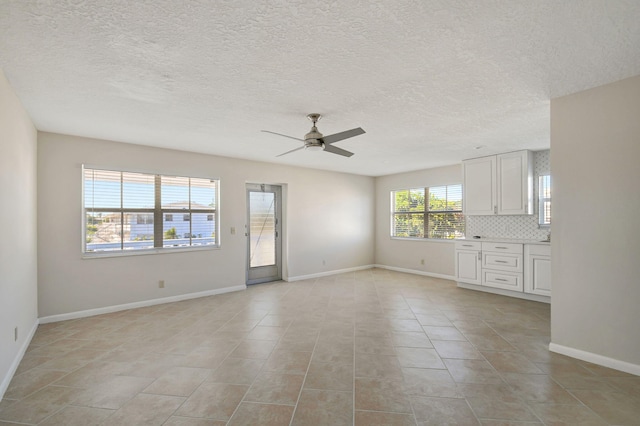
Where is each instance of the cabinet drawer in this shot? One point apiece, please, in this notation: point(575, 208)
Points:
point(539, 249)
point(503, 262)
point(468, 245)
point(502, 280)
point(502, 247)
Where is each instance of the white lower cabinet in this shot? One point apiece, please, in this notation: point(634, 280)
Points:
point(538, 269)
point(468, 263)
point(524, 270)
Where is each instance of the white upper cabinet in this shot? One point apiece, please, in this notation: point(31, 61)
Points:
point(515, 182)
point(480, 195)
point(499, 184)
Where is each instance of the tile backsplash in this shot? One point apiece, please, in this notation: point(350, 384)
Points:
point(521, 227)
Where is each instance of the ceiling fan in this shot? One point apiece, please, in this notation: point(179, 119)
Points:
point(315, 141)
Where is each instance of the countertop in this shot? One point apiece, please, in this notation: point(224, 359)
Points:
point(506, 240)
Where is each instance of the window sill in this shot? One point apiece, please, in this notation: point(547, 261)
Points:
point(166, 250)
point(428, 240)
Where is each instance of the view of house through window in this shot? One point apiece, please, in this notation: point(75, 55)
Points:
point(434, 212)
point(544, 200)
point(127, 211)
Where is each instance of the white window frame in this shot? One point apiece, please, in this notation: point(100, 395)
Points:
point(158, 212)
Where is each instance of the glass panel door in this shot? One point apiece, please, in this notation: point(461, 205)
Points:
point(263, 233)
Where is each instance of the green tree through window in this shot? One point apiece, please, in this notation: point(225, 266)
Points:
point(441, 218)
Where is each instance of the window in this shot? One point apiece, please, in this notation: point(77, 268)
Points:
point(434, 212)
point(124, 211)
point(144, 219)
point(186, 217)
point(544, 200)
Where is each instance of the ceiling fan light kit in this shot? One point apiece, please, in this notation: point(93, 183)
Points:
point(315, 141)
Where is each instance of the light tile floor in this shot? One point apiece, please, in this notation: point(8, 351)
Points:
point(373, 347)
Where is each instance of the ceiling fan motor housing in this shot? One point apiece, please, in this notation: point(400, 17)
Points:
point(313, 139)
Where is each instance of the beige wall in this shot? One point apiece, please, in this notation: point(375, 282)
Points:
point(595, 140)
point(18, 251)
point(407, 254)
point(329, 216)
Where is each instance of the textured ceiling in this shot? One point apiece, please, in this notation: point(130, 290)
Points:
point(428, 80)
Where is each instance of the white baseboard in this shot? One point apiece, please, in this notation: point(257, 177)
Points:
point(416, 272)
point(142, 304)
point(510, 293)
point(4, 385)
point(604, 361)
point(327, 273)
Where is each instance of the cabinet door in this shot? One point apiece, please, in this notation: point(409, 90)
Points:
point(468, 266)
point(515, 183)
point(479, 186)
point(538, 275)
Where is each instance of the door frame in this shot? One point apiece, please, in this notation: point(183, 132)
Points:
point(280, 209)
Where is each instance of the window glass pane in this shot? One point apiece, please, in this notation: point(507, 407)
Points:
point(101, 189)
point(454, 197)
point(546, 213)
point(262, 229)
point(137, 235)
point(103, 231)
point(445, 198)
point(446, 225)
point(416, 200)
point(408, 225)
point(544, 200)
point(202, 230)
point(401, 201)
point(172, 233)
point(203, 193)
point(438, 198)
point(175, 192)
point(138, 190)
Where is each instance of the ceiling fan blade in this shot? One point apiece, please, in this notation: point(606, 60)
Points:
point(280, 134)
point(328, 140)
point(335, 150)
point(293, 150)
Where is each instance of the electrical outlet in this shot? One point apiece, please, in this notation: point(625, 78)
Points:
point(15, 334)
point(422, 261)
point(161, 284)
point(233, 230)
point(324, 263)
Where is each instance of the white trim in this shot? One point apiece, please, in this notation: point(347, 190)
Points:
point(142, 304)
point(4, 385)
point(602, 360)
point(426, 240)
point(328, 273)
point(416, 272)
point(518, 294)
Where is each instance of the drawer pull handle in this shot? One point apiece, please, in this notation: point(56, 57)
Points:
point(501, 261)
point(501, 279)
point(467, 245)
point(502, 248)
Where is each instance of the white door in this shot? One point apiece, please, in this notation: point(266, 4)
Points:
point(264, 251)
